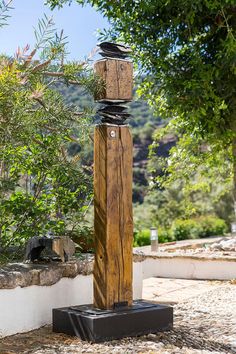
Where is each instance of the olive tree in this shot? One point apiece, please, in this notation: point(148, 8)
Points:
point(42, 189)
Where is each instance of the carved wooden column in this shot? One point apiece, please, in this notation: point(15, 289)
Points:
point(113, 217)
point(121, 316)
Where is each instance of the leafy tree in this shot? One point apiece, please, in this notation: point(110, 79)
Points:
point(42, 189)
point(201, 171)
point(5, 6)
point(187, 52)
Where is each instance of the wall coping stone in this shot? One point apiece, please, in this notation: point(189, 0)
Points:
point(146, 253)
point(13, 275)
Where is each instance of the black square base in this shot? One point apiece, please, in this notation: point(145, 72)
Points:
point(97, 325)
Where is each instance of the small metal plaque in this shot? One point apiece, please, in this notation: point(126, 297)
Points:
point(112, 134)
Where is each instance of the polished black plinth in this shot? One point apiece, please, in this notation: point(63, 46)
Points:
point(95, 325)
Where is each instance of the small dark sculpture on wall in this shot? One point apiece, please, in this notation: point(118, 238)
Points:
point(63, 247)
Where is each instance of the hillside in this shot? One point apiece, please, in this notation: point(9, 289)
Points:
point(143, 124)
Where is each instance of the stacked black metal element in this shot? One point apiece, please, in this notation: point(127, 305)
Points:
point(114, 50)
point(114, 112)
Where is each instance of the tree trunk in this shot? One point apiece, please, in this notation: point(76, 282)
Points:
point(234, 173)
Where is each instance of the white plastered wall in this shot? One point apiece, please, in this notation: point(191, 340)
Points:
point(24, 309)
point(189, 268)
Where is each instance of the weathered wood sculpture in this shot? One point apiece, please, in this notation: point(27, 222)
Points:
point(113, 313)
point(113, 218)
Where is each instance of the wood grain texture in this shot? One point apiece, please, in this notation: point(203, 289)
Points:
point(118, 78)
point(113, 219)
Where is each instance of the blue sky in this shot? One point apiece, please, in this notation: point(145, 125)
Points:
point(79, 24)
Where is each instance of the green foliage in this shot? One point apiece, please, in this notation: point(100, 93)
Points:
point(43, 190)
point(198, 172)
point(165, 235)
point(142, 238)
point(161, 208)
point(187, 54)
point(182, 229)
point(185, 229)
point(84, 238)
point(5, 7)
point(211, 226)
point(200, 227)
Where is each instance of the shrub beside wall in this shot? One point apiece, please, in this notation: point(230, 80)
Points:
point(183, 229)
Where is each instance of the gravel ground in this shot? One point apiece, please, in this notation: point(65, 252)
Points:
point(203, 324)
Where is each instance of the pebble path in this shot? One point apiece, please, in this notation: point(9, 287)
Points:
point(203, 324)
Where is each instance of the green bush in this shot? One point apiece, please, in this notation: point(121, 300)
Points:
point(142, 238)
point(164, 235)
point(43, 191)
point(84, 239)
point(185, 229)
point(203, 226)
point(212, 226)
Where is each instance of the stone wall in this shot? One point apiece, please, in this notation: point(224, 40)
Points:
point(29, 292)
point(46, 274)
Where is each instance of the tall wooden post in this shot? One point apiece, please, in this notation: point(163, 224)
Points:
point(113, 218)
point(113, 222)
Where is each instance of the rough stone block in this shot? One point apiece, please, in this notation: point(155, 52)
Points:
point(63, 247)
